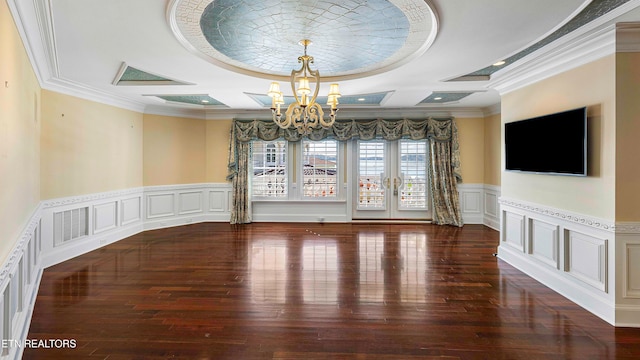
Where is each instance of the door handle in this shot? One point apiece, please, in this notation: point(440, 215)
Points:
point(397, 182)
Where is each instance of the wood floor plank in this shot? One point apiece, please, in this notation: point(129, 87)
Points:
point(312, 291)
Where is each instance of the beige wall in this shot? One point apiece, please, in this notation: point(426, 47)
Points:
point(217, 150)
point(174, 150)
point(182, 151)
point(627, 136)
point(591, 85)
point(492, 148)
point(19, 135)
point(471, 139)
point(88, 147)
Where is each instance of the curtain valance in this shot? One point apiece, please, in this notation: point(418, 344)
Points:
point(443, 164)
point(439, 129)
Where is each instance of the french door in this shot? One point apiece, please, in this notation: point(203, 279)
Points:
point(390, 180)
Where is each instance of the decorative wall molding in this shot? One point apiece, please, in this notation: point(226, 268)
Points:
point(492, 207)
point(593, 262)
point(46, 204)
point(563, 215)
point(28, 232)
point(20, 277)
point(631, 274)
point(479, 204)
point(544, 244)
point(586, 259)
point(632, 228)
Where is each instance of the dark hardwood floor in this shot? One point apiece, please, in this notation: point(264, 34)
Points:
point(312, 291)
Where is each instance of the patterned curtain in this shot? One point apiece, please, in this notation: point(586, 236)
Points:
point(444, 167)
point(443, 180)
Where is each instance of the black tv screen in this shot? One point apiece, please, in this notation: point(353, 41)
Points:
point(550, 144)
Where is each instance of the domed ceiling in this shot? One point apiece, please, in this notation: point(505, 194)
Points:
point(349, 38)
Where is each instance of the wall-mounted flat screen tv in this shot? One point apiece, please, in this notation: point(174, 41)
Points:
point(550, 144)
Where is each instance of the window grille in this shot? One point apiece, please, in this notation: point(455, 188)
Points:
point(269, 177)
point(320, 169)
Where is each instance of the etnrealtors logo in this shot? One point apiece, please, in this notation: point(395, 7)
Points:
point(39, 343)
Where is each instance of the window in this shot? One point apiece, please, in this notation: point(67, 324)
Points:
point(320, 169)
point(269, 160)
point(313, 176)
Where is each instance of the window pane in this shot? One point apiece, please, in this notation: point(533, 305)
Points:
point(320, 171)
point(269, 169)
point(413, 166)
point(370, 167)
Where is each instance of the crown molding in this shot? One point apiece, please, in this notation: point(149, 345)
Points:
point(628, 37)
point(494, 109)
point(591, 42)
point(560, 56)
point(35, 16)
point(166, 110)
point(78, 90)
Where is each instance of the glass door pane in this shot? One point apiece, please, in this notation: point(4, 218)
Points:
point(371, 172)
point(413, 175)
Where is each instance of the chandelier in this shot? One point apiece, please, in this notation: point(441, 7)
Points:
point(305, 113)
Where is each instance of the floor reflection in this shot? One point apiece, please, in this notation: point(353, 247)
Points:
point(388, 267)
point(268, 270)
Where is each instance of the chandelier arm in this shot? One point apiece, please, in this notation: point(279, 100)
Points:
point(316, 112)
point(283, 121)
point(316, 75)
point(294, 74)
point(293, 114)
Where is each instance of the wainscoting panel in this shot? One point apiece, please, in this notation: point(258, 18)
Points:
point(110, 216)
point(190, 202)
point(514, 230)
point(160, 205)
point(479, 204)
point(632, 270)
point(218, 200)
point(174, 205)
point(471, 201)
point(19, 282)
point(492, 207)
point(571, 253)
point(628, 251)
point(105, 217)
point(586, 258)
point(130, 210)
point(544, 242)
